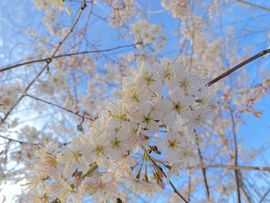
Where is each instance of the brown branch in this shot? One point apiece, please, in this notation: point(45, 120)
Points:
point(170, 182)
point(15, 140)
point(174, 189)
point(24, 63)
point(83, 6)
point(189, 185)
point(67, 55)
point(254, 5)
point(228, 72)
point(60, 107)
point(254, 168)
point(237, 175)
point(164, 174)
point(203, 170)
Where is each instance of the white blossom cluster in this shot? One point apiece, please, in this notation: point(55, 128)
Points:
point(54, 4)
point(178, 8)
point(51, 9)
point(53, 84)
point(122, 11)
point(148, 35)
point(153, 121)
point(9, 94)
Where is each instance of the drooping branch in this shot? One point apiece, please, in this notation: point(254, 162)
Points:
point(240, 65)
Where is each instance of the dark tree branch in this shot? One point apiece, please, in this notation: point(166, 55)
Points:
point(203, 170)
point(174, 189)
point(164, 174)
point(237, 175)
point(228, 72)
point(15, 140)
point(253, 5)
point(228, 167)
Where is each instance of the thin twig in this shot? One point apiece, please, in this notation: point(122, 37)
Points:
point(60, 107)
point(255, 168)
point(15, 140)
point(189, 185)
point(168, 179)
point(228, 72)
point(254, 5)
point(237, 175)
point(203, 170)
point(172, 185)
point(175, 190)
point(244, 188)
point(264, 196)
point(67, 55)
point(83, 6)
point(24, 63)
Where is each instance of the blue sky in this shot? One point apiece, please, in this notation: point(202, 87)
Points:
point(250, 31)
